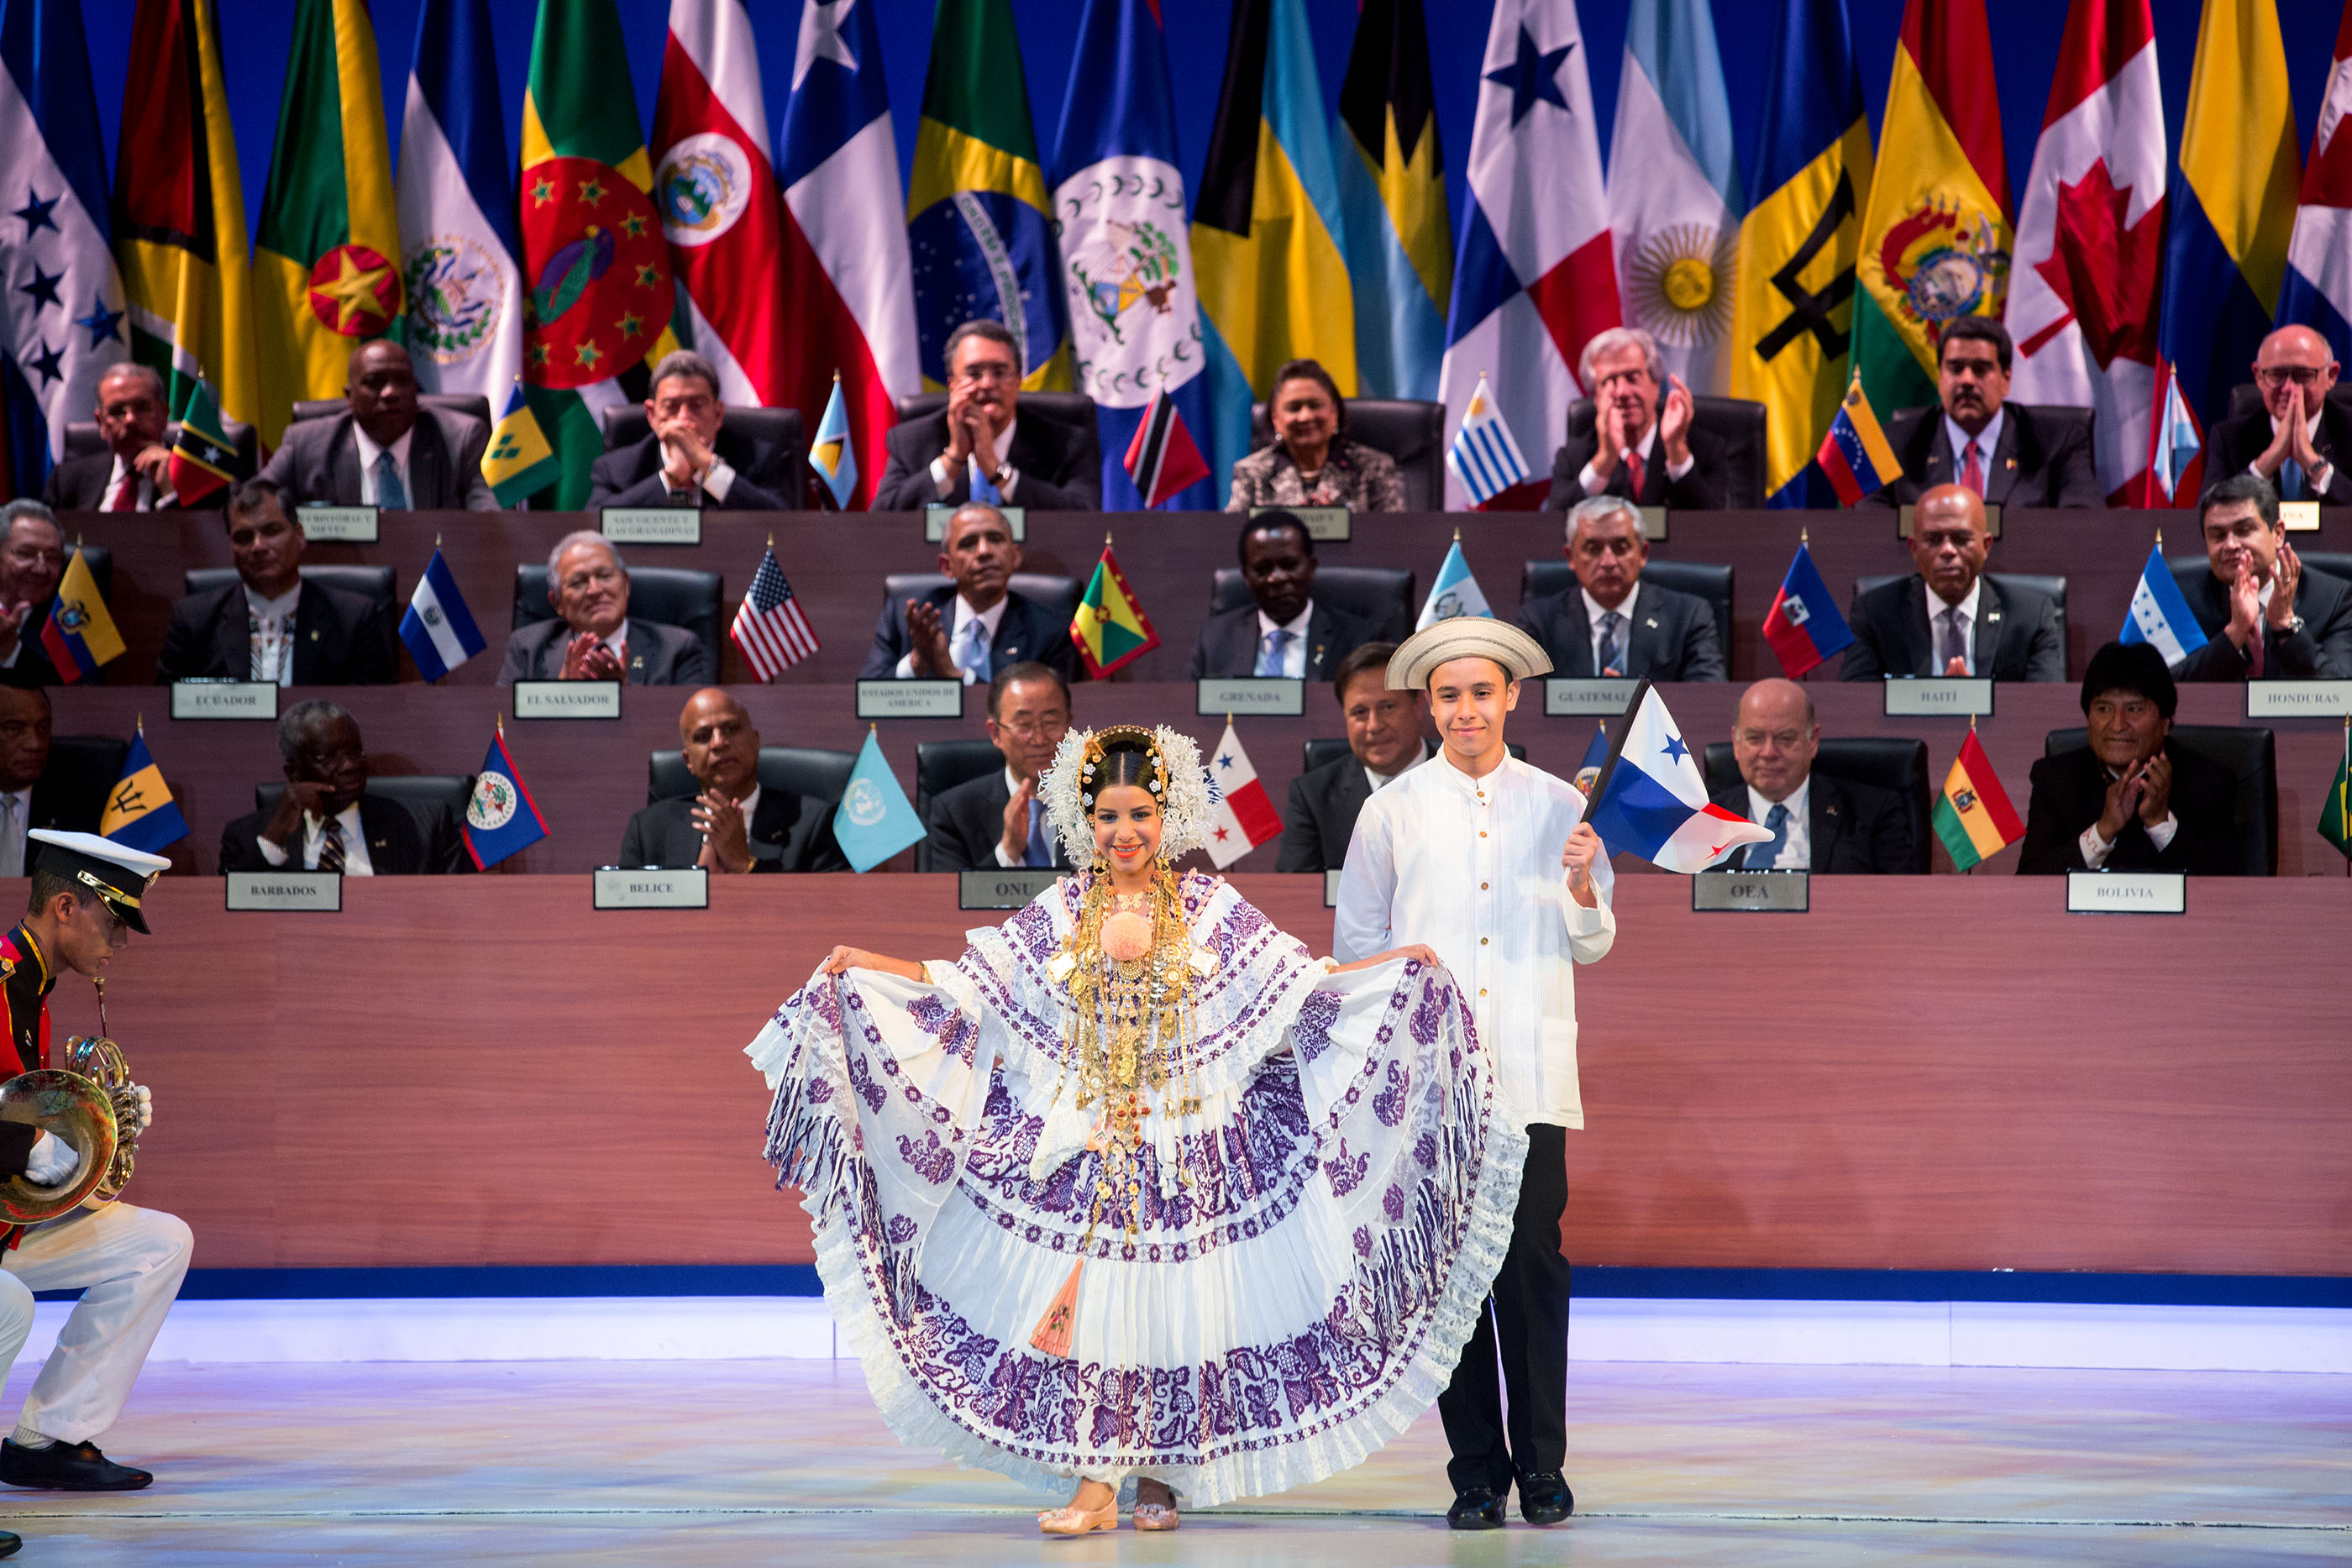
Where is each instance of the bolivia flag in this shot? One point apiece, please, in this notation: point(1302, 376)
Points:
point(1243, 816)
point(1973, 816)
point(140, 812)
point(1110, 628)
point(81, 634)
point(501, 819)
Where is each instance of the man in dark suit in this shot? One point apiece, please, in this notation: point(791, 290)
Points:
point(269, 624)
point(733, 824)
point(593, 636)
point(325, 821)
point(32, 793)
point(2298, 435)
point(1384, 740)
point(1285, 630)
point(2010, 454)
point(975, 625)
point(32, 563)
point(1649, 455)
point(2130, 800)
point(134, 473)
point(1611, 623)
point(1032, 459)
point(1818, 823)
point(1948, 618)
point(2264, 618)
point(690, 459)
point(997, 820)
point(388, 450)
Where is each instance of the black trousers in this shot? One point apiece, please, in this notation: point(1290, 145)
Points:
point(1525, 1329)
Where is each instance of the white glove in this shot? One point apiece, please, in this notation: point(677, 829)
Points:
point(146, 1109)
point(52, 1162)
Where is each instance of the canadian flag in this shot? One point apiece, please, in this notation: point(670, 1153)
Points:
point(1241, 817)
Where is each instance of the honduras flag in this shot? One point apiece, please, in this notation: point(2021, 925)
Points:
point(1455, 592)
point(1652, 801)
point(874, 821)
point(439, 628)
point(2160, 616)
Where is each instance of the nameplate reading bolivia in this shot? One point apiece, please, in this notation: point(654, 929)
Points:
point(223, 699)
point(619, 887)
point(910, 699)
point(1331, 888)
point(1325, 525)
point(1269, 697)
point(338, 525)
point(320, 891)
point(1752, 892)
point(1959, 695)
point(935, 523)
point(651, 525)
point(2126, 893)
point(567, 700)
point(1002, 887)
point(2298, 699)
point(1578, 696)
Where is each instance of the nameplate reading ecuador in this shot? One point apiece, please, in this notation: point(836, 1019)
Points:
point(1331, 888)
point(2126, 893)
point(1961, 695)
point(2299, 517)
point(223, 699)
point(935, 522)
point(1571, 695)
point(338, 525)
point(320, 891)
point(1325, 525)
point(651, 525)
point(2298, 699)
point(1268, 696)
point(618, 887)
point(910, 699)
point(1002, 887)
point(1752, 892)
point(567, 700)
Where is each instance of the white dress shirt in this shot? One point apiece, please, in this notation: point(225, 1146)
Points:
point(370, 451)
point(1589, 478)
point(1471, 867)
point(148, 499)
point(1594, 609)
point(314, 839)
point(12, 854)
point(1937, 610)
point(270, 623)
point(990, 619)
point(945, 479)
point(1294, 653)
point(1797, 850)
point(1958, 439)
point(1379, 782)
point(2095, 850)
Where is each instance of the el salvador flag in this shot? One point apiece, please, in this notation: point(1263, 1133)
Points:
point(439, 628)
point(2160, 616)
point(1653, 800)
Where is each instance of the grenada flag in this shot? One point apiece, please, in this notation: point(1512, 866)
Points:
point(1110, 628)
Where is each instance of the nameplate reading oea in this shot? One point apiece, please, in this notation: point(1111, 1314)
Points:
point(2298, 699)
point(280, 892)
point(567, 700)
point(1960, 696)
point(1752, 893)
point(685, 888)
point(1567, 696)
point(935, 523)
point(910, 699)
point(1005, 887)
point(338, 525)
point(1267, 697)
point(223, 699)
point(2126, 893)
point(651, 525)
point(1325, 525)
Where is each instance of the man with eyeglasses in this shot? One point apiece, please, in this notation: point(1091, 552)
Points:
point(997, 820)
point(1818, 823)
point(983, 448)
point(593, 637)
point(2010, 453)
point(691, 458)
point(2294, 438)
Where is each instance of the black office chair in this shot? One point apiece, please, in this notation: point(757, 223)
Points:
point(1740, 423)
point(2334, 563)
point(2055, 587)
point(368, 582)
point(85, 767)
point(1057, 595)
point(939, 767)
point(787, 769)
point(1408, 430)
point(1319, 753)
point(1380, 595)
point(82, 439)
point(1069, 408)
point(673, 595)
point(1876, 761)
point(2251, 754)
point(778, 429)
point(473, 405)
point(1697, 578)
point(2246, 397)
point(417, 793)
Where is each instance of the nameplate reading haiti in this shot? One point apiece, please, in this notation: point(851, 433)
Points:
point(1959, 695)
point(617, 887)
point(2298, 699)
point(567, 700)
point(1331, 888)
point(1269, 697)
point(2126, 893)
point(1571, 695)
point(1004, 887)
point(1325, 525)
point(1752, 892)
point(651, 525)
point(318, 891)
point(223, 699)
point(338, 525)
point(2299, 517)
point(935, 522)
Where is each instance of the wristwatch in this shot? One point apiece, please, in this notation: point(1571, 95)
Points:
point(1003, 474)
point(2294, 625)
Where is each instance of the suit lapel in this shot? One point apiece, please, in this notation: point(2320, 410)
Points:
point(1993, 624)
point(1645, 638)
point(1579, 635)
point(772, 822)
point(233, 635)
point(1919, 633)
point(1935, 463)
point(1826, 815)
point(343, 461)
point(429, 459)
point(1012, 641)
point(640, 645)
point(1318, 642)
point(2001, 474)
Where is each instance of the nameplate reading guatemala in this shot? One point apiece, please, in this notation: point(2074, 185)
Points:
point(1580, 697)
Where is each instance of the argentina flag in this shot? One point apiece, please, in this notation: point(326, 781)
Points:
point(439, 628)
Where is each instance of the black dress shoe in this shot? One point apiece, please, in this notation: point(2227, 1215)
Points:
point(66, 1467)
point(10, 1543)
point(1478, 1508)
point(1544, 1498)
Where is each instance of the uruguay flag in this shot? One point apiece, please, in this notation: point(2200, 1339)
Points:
point(2160, 616)
point(2318, 291)
point(1653, 800)
point(1126, 255)
point(439, 628)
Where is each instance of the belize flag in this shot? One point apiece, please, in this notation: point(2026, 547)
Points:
point(2318, 291)
point(1803, 626)
point(501, 819)
point(2160, 615)
point(1652, 801)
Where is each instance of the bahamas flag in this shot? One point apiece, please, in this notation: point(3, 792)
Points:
point(1110, 628)
point(80, 635)
point(979, 223)
point(326, 263)
point(1793, 304)
point(1392, 203)
point(140, 812)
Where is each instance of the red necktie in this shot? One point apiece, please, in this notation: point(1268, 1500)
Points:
point(1633, 471)
point(126, 495)
point(2254, 652)
point(1973, 474)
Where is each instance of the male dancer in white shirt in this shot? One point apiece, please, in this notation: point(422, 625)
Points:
point(1489, 862)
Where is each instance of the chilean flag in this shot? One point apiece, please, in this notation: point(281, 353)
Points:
point(1652, 799)
point(2318, 291)
point(1803, 624)
point(1241, 814)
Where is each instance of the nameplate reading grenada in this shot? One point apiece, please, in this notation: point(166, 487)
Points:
point(304, 891)
point(935, 522)
point(1961, 695)
point(1569, 696)
point(1269, 697)
point(567, 700)
point(1005, 888)
point(2126, 893)
point(1325, 525)
point(651, 525)
point(1752, 892)
point(2298, 699)
point(223, 699)
point(338, 525)
point(910, 699)
point(618, 887)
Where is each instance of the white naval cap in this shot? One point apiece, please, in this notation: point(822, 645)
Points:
point(118, 873)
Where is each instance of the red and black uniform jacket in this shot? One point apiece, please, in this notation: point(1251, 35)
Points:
point(25, 986)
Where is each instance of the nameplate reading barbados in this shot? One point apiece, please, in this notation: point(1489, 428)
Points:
point(1961, 695)
point(651, 525)
point(910, 699)
point(338, 525)
point(2126, 893)
point(619, 887)
point(567, 700)
point(223, 699)
point(2298, 699)
point(1008, 887)
point(1752, 892)
point(1268, 696)
point(1578, 695)
point(278, 891)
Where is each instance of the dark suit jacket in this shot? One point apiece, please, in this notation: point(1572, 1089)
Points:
point(1060, 465)
point(1703, 490)
point(1672, 636)
point(1854, 829)
point(2070, 791)
point(1228, 644)
point(340, 639)
point(2234, 443)
point(32, 667)
point(631, 476)
point(2321, 651)
point(788, 833)
point(1324, 804)
point(397, 845)
point(967, 821)
point(2034, 464)
point(79, 485)
point(1026, 631)
point(2016, 636)
point(659, 656)
point(320, 463)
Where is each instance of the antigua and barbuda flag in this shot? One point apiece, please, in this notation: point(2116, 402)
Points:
point(875, 820)
point(1241, 814)
point(1803, 626)
point(501, 819)
point(139, 811)
point(1162, 461)
point(80, 635)
point(1391, 170)
point(1454, 592)
point(1651, 800)
point(2319, 289)
point(832, 453)
point(439, 628)
point(2159, 615)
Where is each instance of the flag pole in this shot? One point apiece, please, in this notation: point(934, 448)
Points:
point(1972, 729)
point(2344, 794)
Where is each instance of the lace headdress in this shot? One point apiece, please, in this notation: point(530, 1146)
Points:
point(1177, 781)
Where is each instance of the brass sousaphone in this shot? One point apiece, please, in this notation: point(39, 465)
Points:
point(86, 1103)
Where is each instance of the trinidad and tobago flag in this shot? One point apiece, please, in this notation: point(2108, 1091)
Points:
point(1162, 459)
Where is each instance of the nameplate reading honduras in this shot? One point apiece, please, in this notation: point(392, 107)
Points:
point(651, 525)
point(910, 699)
point(1573, 695)
point(2126, 893)
point(1331, 888)
point(619, 887)
point(338, 525)
point(1004, 887)
point(1325, 525)
point(567, 700)
point(935, 522)
point(1961, 695)
point(1902, 520)
point(223, 699)
point(1752, 892)
point(2299, 517)
point(1269, 697)
point(306, 890)
point(2298, 699)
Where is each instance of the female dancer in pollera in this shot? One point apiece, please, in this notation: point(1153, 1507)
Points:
point(1136, 1190)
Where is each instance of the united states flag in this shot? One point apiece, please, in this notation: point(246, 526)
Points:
point(769, 627)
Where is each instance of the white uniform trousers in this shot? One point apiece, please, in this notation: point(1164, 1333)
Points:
point(128, 1263)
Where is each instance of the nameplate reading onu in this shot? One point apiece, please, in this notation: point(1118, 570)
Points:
point(567, 700)
point(223, 699)
point(1569, 696)
point(338, 525)
point(651, 525)
point(2298, 699)
point(935, 522)
point(2126, 893)
point(1269, 697)
point(1005, 887)
point(620, 887)
point(1325, 525)
point(1752, 892)
point(282, 891)
point(910, 699)
point(1958, 695)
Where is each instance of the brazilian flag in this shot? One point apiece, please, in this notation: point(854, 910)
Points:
point(2336, 815)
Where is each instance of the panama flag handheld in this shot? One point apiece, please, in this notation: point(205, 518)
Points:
point(1651, 800)
point(1241, 816)
point(501, 819)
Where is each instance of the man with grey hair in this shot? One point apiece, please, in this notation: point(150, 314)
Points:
point(386, 448)
point(272, 624)
point(32, 561)
point(1611, 623)
point(134, 473)
point(593, 637)
point(1031, 460)
point(1631, 447)
point(691, 458)
point(326, 819)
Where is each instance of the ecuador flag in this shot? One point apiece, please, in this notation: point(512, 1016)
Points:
point(140, 812)
point(1973, 816)
point(81, 634)
point(1110, 628)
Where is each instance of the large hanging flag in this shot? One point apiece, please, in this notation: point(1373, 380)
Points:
point(326, 260)
point(501, 818)
point(1399, 242)
point(597, 279)
point(1241, 814)
point(1126, 259)
point(1675, 196)
point(139, 811)
point(874, 821)
point(1855, 456)
point(79, 634)
point(1110, 628)
point(439, 628)
point(2160, 615)
point(460, 274)
point(2090, 236)
point(1651, 800)
point(769, 629)
point(1453, 592)
point(2319, 289)
point(2227, 226)
point(1792, 315)
point(1534, 277)
point(179, 213)
point(1973, 816)
point(1803, 626)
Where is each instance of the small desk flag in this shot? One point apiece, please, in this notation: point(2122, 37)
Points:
point(1652, 799)
point(520, 462)
point(439, 628)
point(1973, 815)
point(202, 458)
point(1596, 757)
point(1803, 626)
point(1110, 628)
point(2335, 808)
point(1483, 456)
point(2158, 614)
point(80, 635)
point(1856, 455)
point(139, 811)
point(1455, 592)
point(501, 819)
point(832, 455)
point(1241, 814)
point(1163, 460)
point(874, 821)
point(770, 628)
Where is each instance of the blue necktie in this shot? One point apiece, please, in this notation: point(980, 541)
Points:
point(390, 493)
point(1269, 663)
point(975, 661)
point(1612, 648)
point(2290, 480)
point(1762, 856)
point(1037, 854)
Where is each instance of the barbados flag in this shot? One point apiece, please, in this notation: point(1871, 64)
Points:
point(139, 811)
point(1110, 628)
point(80, 635)
point(1392, 201)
